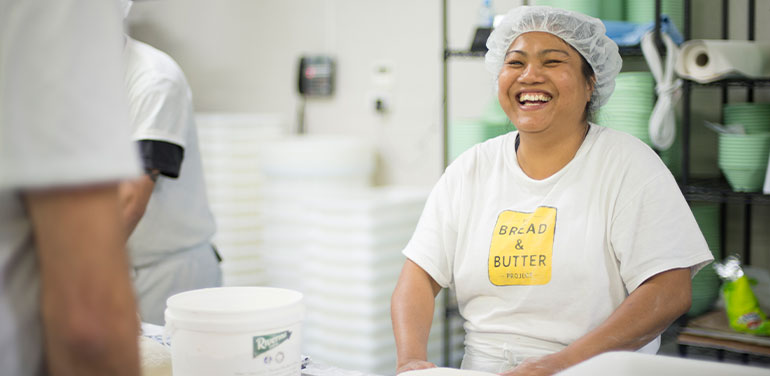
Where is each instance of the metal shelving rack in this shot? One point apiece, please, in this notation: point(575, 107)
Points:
point(448, 313)
point(709, 190)
point(717, 190)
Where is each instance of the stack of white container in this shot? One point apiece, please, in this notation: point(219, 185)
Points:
point(331, 235)
point(230, 151)
point(352, 266)
point(298, 171)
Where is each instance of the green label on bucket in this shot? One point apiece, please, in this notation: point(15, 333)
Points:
point(268, 342)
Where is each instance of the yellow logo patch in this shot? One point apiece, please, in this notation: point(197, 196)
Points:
point(522, 247)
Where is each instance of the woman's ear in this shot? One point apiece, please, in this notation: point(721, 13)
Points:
point(591, 87)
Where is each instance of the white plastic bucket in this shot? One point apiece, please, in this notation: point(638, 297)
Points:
point(235, 331)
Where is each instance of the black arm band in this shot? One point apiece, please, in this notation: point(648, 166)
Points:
point(162, 156)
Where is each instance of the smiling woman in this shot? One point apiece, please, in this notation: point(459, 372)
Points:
point(603, 236)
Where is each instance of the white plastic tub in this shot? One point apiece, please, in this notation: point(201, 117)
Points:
point(235, 331)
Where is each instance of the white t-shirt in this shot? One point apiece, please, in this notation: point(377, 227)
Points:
point(63, 122)
point(177, 216)
point(536, 264)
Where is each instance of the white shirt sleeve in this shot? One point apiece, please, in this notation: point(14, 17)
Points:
point(162, 112)
point(655, 231)
point(63, 111)
point(433, 244)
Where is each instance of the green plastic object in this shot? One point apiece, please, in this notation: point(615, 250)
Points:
point(743, 308)
point(743, 160)
point(743, 311)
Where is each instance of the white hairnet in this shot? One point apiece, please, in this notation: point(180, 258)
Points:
point(584, 33)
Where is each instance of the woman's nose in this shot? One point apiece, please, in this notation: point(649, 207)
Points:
point(530, 74)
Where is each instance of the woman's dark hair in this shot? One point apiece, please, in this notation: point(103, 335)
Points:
point(588, 75)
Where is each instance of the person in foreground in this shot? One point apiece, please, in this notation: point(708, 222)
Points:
point(561, 240)
point(66, 303)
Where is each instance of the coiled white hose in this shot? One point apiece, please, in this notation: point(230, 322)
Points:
point(662, 125)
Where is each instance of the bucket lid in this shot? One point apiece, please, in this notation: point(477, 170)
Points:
point(234, 308)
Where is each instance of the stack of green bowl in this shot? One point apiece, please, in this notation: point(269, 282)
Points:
point(705, 284)
point(630, 105)
point(643, 11)
point(743, 160)
point(589, 7)
point(754, 117)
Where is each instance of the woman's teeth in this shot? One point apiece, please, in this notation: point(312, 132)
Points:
point(533, 98)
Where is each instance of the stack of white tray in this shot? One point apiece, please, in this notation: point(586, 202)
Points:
point(352, 264)
point(298, 171)
point(230, 151)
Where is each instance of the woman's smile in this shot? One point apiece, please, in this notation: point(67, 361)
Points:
point(530, 100)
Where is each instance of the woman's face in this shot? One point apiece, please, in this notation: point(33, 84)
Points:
point(541, 85)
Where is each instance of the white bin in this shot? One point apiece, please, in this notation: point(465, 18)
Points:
point(235, 331)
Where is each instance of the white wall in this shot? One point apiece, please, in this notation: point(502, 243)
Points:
point(241, 55)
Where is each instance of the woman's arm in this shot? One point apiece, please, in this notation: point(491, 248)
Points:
point(646, 313)
point(411, 309)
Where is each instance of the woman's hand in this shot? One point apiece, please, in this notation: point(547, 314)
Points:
point(542, 366)
point(414, 364)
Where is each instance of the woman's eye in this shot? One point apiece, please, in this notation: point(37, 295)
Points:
point(552, 62)
point(515, 63)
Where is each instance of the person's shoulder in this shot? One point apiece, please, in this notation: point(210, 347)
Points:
point(625, 160)
point(147, 63)
point(611, 137)
point(621, 147)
